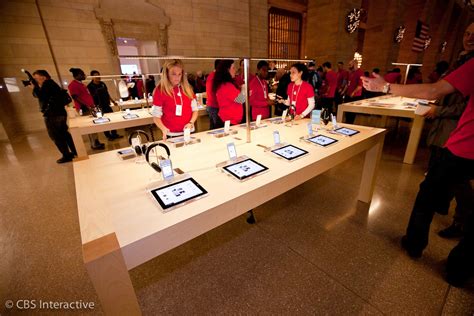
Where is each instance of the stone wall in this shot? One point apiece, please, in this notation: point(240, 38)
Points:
point(82, 34)
point(80, 38)
point(327, 39)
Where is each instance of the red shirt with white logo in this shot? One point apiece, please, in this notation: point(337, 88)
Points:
point(300, 95)
point(168, 104)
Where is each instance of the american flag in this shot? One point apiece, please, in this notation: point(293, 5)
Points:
point(421, 36)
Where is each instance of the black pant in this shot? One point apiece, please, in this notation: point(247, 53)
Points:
point(460, 265)
point(445, 174)
point(350, 117)
point(279, 108)
point(244, 114)
point(113, 133)
point(59, 134)
point(338, 98)
point(461, 191)
point(328, 103)
point(214, 119)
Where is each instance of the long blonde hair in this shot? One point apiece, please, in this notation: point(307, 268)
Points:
point(165, 84)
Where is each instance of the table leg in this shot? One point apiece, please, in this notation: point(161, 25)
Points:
point(109, 275)
point(414, 139)
point(78, 143)
point(340, 115)
point(369, 173)
point(383, 121)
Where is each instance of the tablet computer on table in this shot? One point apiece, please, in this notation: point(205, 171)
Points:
point(322, 140)
point(346, 131)
point(245, 169)
point(177, 193)
point(289, 152)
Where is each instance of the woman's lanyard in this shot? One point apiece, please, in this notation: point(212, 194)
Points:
point(293, 92)
point(179, 107)
point(263, 88)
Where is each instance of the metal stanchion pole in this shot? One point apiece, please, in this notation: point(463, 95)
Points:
point(145, 91)
point(247, 107)
point(406, 74)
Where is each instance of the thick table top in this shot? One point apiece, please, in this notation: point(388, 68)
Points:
point(116, 120)
point(115, 117)
point(385, 105)
point(111, 193)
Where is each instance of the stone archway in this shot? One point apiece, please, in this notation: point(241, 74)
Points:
point(144, 21)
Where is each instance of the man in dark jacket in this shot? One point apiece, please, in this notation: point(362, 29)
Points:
point(52, 105)
point(102, 99)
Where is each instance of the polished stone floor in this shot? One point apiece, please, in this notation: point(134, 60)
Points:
point(314, 250)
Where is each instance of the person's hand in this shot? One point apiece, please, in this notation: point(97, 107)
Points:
point(431, 114)
point(165, 132)
point(298, 117)
point(281, 100)
point(189, 125)
point(373, 84)
point(243, 88)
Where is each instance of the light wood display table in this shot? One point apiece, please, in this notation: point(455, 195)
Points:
point(133, 104)
point(83, 125)
point(122, 227)
point(389, 106)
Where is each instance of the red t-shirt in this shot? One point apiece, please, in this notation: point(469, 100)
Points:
point(354, 82)
point(228, 108)
point(393, 77)
point(300, 94)
point(239, 79)
point(211, 96)
point(331, 80)
point(461, 140)
point(258, 98)
point(140, 88)
point(341, 76)
point(168, 105)
point(78, 89)
point(434, 76)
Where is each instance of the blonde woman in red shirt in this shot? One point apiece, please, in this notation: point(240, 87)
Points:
point(174, 103)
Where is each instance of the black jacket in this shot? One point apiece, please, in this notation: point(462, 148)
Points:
point(49, 96)
point(101, 96)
